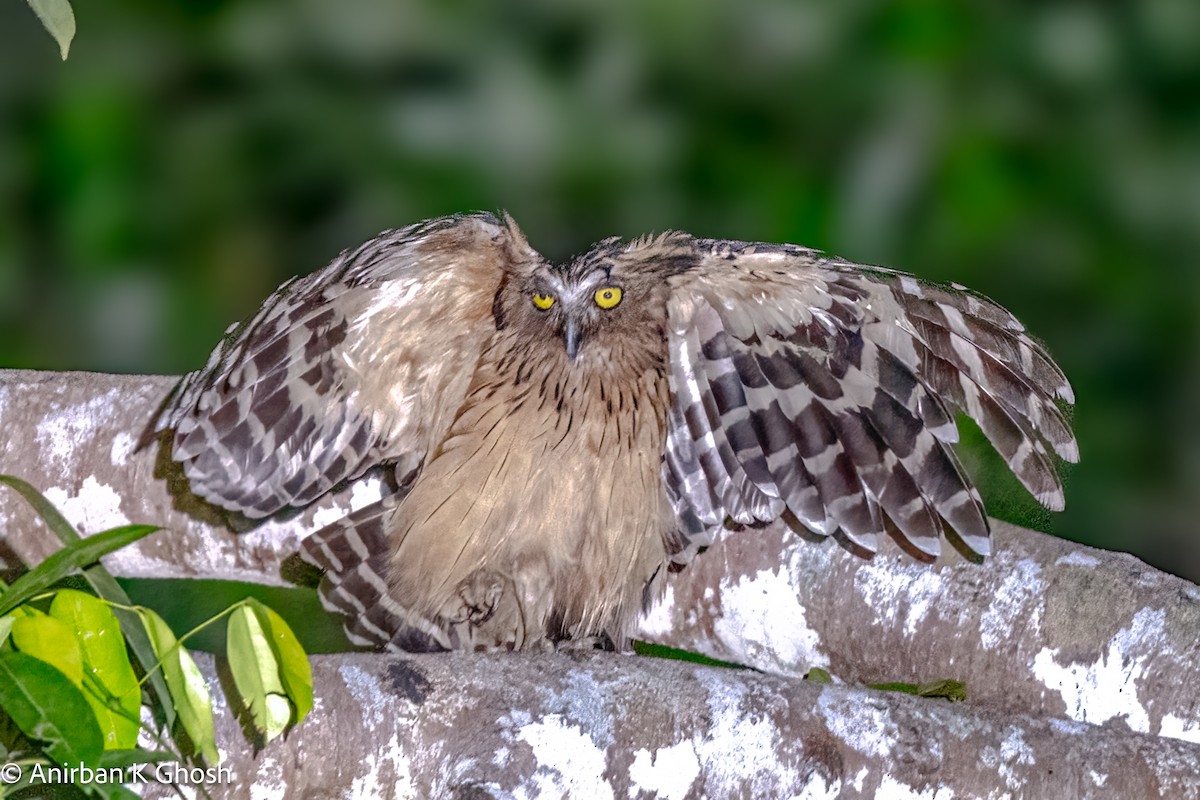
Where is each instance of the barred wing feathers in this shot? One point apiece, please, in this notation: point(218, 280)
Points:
point(360, 363)
point(826, 391)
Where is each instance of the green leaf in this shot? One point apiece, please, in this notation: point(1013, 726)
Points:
point(63, 562)
point(947, 689)
point(6, 623)
point(818, 675)
point(58, 18)
point(47, 707)
point(675, 654)
point(112, 689)
point(136, 637)
point(52, 641)
point(902, 688)
point(106, 587)
point(193, 704)
point(294, 670)
point(256, 673)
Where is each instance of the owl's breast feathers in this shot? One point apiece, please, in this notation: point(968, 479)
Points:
point(549, 479)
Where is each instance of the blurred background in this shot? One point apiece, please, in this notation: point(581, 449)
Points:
point(190, 156)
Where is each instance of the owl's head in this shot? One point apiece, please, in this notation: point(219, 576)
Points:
point(606, 306)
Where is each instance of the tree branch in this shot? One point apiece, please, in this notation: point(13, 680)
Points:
point(605, 725)
point(1047, 634)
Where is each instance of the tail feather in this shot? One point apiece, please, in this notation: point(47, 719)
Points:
point(353, 553)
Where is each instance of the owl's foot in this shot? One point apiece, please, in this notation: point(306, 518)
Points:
point(477, 599)
point(486, 614)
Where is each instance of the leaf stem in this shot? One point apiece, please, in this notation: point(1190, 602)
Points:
point(180, 640)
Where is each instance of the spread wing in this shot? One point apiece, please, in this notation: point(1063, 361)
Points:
point(360, 363)
point(825, 390)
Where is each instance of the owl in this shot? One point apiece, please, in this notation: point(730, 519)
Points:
point(562, 436)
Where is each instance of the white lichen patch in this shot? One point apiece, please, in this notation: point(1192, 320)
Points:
point(739, 755)
point(818, 788)
point(909, 591)
point(893, 789)
point(122, 446)
point(587, 700)
point(269, 780)
point(923, 590)
point(1179, 728)
point(1107, 688)
point(389, 764)
point(97, 506)
point(1097, 778)
point(367, 690)
point(1013, 752)
point(659, 619)
point(762, 618)
point(569, 763)
point(1022, 590)
point(859, 721)
point(398, 780)
point(1078, 558)
point(59, 434)
point(1068, 727)
point(667, 773)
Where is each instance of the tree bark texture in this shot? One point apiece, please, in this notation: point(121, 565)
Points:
point(1081, 665)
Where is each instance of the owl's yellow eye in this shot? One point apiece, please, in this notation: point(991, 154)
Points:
point(543, 301)
point(608, 297)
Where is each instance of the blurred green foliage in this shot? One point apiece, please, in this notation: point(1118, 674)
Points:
point(190, 155)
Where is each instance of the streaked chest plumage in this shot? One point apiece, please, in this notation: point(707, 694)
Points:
point(549, 476)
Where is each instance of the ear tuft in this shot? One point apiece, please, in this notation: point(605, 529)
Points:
point(518, 245)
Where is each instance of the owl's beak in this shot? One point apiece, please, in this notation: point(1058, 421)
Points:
point(571, 337)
